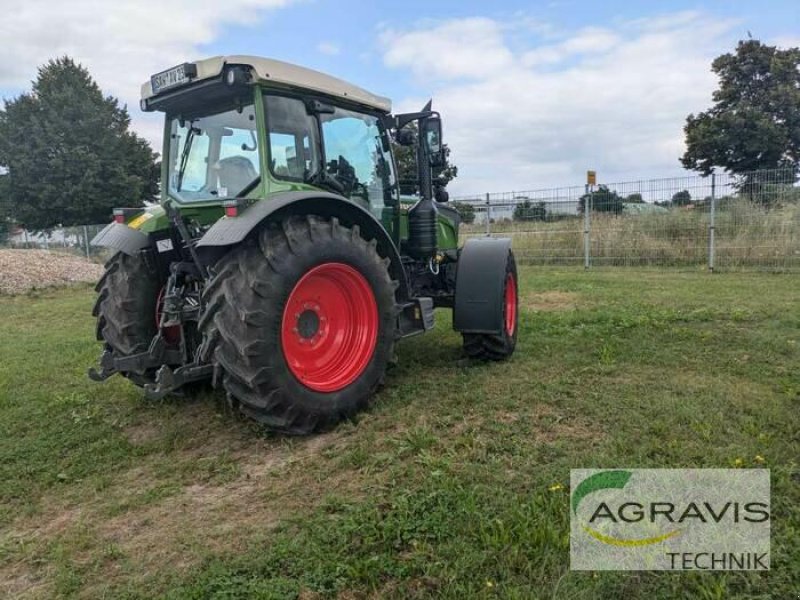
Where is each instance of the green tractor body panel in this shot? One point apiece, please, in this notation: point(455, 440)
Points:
point(447, 223)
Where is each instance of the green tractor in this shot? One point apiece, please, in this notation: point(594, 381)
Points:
point(281, 263)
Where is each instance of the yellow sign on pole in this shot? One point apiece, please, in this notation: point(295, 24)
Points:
point(591, 177)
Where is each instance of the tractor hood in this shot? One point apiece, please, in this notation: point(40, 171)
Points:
point(264, 70)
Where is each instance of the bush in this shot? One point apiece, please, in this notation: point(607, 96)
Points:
point(602, 200)
point(467, 211)
point(526, 211)
point(682, 198)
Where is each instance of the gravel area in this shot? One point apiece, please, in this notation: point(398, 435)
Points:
point(22, 270)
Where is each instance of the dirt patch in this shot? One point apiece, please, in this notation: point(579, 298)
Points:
point(142, 433)
point(567, 427)
point(23, 270)
point(273, 478)
point(551, 301)
point(16, 581)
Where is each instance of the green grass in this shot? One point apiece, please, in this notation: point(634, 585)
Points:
point(747, 236)
point(442, 490)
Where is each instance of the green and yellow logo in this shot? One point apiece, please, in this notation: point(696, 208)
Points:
point(603, 481)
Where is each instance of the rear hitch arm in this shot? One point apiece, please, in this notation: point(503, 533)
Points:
point(107, 367)
point(167, 380)
point(156, 355)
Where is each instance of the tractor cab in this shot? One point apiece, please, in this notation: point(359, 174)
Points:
point(245, 127)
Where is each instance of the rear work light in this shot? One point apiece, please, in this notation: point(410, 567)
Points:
point(235, 206)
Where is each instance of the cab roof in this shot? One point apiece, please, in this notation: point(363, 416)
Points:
point(275, 71)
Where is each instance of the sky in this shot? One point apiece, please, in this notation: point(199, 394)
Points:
point(532, 94)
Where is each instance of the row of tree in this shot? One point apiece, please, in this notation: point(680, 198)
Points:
point(602, 200)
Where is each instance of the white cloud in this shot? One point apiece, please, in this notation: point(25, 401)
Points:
point(787, 41)
point(586, 41)
point(120, 42)
point(462, 48)
point(611, 99)
point(328, 48)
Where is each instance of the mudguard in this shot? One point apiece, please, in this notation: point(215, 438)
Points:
point(121, 237)
point(232, 230)
point(480, 280)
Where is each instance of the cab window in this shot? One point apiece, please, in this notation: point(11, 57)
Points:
point(292, 139)
point(357, 156)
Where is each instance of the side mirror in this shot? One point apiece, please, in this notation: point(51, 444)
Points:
point(433, 135)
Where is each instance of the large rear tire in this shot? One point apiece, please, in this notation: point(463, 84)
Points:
point(499, 347)
point(126, 309)
point(300, 323)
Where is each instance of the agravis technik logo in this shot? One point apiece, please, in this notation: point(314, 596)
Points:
point(610, 480)
point(665, 519)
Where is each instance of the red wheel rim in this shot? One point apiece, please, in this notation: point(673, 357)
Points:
point(330, 327)
point(171, 334)
point(511, 304)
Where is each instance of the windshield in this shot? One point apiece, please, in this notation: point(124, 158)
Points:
point(357, 160)
point(214, 156)
point(358, 156)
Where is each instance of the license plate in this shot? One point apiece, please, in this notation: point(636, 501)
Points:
point(170, 78)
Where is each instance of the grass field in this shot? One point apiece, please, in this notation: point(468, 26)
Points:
point(447, 488)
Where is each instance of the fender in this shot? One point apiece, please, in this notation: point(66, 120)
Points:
point(232, 230)
point(480, 280)
point(121, 237)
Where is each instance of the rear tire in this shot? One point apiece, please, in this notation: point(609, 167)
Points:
point(126, 309)
point(499, 347)
point(272, 345)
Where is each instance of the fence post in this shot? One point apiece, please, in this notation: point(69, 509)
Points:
point(488, 215)
point(711, 222)
point(86, 239)
point(587, 207)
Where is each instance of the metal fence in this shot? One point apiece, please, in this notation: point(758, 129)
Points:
point(74, 240)
point(717, 222)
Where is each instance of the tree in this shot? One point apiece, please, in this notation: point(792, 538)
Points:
point(755, 120)
point(69, 153)
point(602, 200)
point(5, 219)
point(406, 159)
point(527, 211)
point(635, 198)
point(466, 210)
point(682, 198)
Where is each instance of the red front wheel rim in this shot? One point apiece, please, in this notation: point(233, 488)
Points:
point(511, 304)
point(330, 327)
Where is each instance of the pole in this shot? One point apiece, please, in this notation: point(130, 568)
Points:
point(711, 223)
point(587, 207)
point(488, 215)
point(86, 239)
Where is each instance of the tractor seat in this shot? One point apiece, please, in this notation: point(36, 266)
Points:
point(235, 173)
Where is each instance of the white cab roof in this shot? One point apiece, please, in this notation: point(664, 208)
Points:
point(269, 70)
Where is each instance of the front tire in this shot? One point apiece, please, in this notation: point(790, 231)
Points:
point(300, 323)
point(499, 347)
